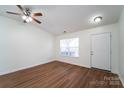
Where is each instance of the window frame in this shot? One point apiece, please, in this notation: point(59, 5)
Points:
point(64, 55)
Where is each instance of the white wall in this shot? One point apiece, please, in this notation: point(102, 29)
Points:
point(84, 46)
point(23, 45)
point(121, 65)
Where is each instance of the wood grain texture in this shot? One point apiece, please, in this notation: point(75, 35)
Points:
point(60, 75)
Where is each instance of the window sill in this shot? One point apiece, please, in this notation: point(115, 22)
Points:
point(69, 56)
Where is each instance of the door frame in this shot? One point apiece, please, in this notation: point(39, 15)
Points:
point(110, 48)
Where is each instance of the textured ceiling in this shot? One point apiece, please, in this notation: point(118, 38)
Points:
point(70, 18)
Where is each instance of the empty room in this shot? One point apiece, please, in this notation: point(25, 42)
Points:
point(61, 46)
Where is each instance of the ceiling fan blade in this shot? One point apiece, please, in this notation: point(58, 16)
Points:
point(20, 7)
point(37, 14)
point(36, 20)
point(13, 13)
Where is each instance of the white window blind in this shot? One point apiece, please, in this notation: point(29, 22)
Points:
point(69, 47)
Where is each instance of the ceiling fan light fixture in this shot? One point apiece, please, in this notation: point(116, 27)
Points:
point(30, 19)
point(24, 17)
point(27, 20)
point(27, 16)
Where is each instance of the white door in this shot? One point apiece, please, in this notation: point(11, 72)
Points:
point(100, 51)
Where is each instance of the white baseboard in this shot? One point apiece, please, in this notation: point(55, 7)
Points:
point(122, 79)
point(72, 63)
point(21, 68)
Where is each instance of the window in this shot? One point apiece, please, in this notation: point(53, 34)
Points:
point(69, 47)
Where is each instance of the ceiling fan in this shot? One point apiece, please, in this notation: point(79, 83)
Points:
point(26, 14)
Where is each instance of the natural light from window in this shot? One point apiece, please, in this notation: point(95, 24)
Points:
point(69, 47)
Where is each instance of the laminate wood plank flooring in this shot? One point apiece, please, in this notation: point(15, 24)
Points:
point(60, 75)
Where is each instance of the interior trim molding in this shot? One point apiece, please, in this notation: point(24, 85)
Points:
point(72, 63)
point(122, 79)
point(22, 68)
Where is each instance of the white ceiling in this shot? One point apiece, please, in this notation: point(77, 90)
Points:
point(70, 18)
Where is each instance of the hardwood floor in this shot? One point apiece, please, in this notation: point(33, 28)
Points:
point(60, 75)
